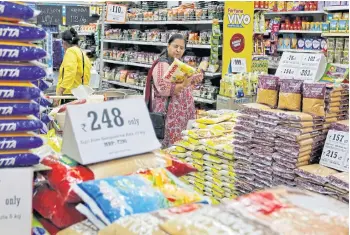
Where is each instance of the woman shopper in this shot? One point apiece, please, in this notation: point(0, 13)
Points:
point(173, 99)
point(75, 68)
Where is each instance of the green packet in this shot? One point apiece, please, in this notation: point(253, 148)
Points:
point(335, 74)
point(38, 228)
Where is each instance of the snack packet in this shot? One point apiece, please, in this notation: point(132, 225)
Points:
point(20, 51)
point(268, 90)
point(178, 71)
point(290, 94)
point(18, 91)
point(21, 32)
point(314, 98)
point(16, 11)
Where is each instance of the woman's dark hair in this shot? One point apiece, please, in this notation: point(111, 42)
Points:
point(70, 36)
point(173, 38)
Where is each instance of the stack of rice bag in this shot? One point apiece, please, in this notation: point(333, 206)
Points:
point(271, 143)
point(337, 103)
point(324, 180)
point(18, 110)
point(208, 147)
point(109, 199)
point(270, 212)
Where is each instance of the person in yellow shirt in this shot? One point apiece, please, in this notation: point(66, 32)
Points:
point(76, 66)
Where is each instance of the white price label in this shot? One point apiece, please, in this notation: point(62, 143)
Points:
point(311, 60)
point(238, 65)
point(16, 187)
point(336, 151)
point(286, 72)
point(306, 74)
point(106, 131)
point(290, 59)
point(116, 13)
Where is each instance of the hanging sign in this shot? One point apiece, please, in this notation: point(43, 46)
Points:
point(110, 130)
point(49, 15)
point(116, 13)
point(16, 187)
point(336, 151)
point(77, 15)
point(238, 30)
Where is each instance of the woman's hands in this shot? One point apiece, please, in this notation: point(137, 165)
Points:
point(188, 81)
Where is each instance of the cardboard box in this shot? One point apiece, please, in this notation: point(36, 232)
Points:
point(223, 102)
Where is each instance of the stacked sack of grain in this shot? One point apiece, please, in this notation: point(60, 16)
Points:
point(337, 103)
point(18, 75)
point(252, 150)
point(208, 147)
point(324, 180)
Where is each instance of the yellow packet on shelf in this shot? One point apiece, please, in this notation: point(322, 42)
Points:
point(191, 140)
point(197, 125)
point(178, 149)
point(202, 133)
point(185, 144)
point(178, 71)
point(214, 120)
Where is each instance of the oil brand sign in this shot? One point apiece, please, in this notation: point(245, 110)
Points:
point(238, 34)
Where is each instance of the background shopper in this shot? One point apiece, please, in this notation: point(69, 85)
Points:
point(179, 95)
point(75, 68)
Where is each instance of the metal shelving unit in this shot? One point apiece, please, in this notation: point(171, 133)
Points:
point(336, 8)
point(273, 13)
point(300, 31)
point(123, 84)
point(335, 34)
point(105, 41)
point(180, 22)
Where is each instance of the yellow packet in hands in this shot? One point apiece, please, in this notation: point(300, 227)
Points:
point(178, 71)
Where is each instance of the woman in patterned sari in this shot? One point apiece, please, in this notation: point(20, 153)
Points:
point(181, 107)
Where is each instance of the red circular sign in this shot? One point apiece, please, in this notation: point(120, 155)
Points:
point(237, 43)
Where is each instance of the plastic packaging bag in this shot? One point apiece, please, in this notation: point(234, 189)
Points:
point(18, 108)
point(51, 205)
point(20, 124)
point(20, 141)
point(268, 90)
point(18, 158)
point(314, 98)
point(66, 172)
point(138, 193)
point(18, 51)
point(290, 94)
point(178, 71)
point(21, 71)
point(16, 11)
point(21, 32)
point(18, 91)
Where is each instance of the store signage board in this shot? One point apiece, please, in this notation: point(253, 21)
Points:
point(77, 15)
point(16, 187)
point(336, 151)
point(238, 25)
point(49, 15)
point(304, 66)
point(109, 130)
point(238, 65)
point(116, 13)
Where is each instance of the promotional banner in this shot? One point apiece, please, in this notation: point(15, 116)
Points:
point(238, 37)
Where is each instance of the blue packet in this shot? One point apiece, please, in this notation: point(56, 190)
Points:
point(20, 124)
point(18, 158)
point(119, 196)
point(18, 108)
point(21, 141)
